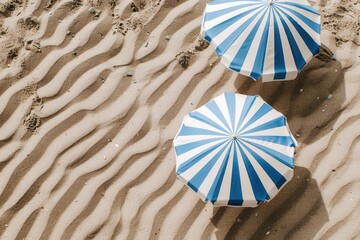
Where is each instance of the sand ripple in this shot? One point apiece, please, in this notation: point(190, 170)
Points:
point(91, 102)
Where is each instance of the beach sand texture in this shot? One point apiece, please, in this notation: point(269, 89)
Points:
point(93, 92)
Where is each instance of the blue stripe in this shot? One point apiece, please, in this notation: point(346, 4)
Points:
point(249, 101)
point(286, 160)
point(299, 60)
point(277, 122)
point(205, 119)
point(275, 176)
point(193, 131)
point(213, 193)
point(236, 198)
point(224, 46)
point(279, 62)
point(301, 6)
point(200, 176)
point(282, 140)
point(193, 160)
point(214, 108)
point(231, 105)
point(190, 146)
point(313, 25)
point(264, 109)
point(257, 70)
point(240, 56)
point(256, 184)
point(309, 41)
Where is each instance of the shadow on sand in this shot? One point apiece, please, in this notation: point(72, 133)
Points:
point(297, 212)
point(312, 102)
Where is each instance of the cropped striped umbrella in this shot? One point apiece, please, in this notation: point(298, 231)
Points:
point(236, 150)
point(269, 38)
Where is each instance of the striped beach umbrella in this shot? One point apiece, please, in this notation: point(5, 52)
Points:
point(269, 38)
point(236, 150)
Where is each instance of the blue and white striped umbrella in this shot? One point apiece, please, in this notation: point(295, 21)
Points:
point(236, 150)
point(269, 38)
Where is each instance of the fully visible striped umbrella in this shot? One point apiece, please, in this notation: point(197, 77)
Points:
point(236, 150)
point(269, 38)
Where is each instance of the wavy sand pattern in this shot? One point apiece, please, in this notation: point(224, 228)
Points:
point(90, 99)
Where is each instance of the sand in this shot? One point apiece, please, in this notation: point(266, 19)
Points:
point(93, 92)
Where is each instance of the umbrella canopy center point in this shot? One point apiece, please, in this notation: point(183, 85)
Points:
point(234, 136)
point(271, 2)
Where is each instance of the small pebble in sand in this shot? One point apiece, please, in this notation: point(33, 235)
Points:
point(146, 44)
point(92, 10)
point(268, 232)
point(256, 214)
point(336, 70)
point(68, 32)
point(301, 90)
point(104, 157)
point(129, 73)
point(6, 225)
point(167, 37)
point(323, 110)
point(74, 53)
point(329, 96)
point(238, 220)
point(76, 200)
point(297, 135)
point(318, 98)
point(210, 64)
point(116, 145)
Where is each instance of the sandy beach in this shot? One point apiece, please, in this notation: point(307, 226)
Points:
point(93, 92)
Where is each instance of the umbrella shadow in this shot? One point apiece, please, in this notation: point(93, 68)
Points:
point(312, 102)
point(297, 212)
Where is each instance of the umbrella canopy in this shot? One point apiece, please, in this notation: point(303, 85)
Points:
point(235, 150)
point(269, 38)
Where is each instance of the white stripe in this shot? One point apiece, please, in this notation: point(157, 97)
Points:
point(210, 178)
point(240, 101)
point(303, 2)
point(181, 140)
point(304, 50)
point(223, 106)
point(253, 109)
point(192, 122)
point(303, 12)
point(224, 193)
point(279, 131)
point(228, 31)
point(271, 115)
point(253, 50)
point(268, 184)
point(269, 69)
point(290, 66)
point(247, 191)
point(206, 112)
point(230, 54)
point(221, 6)
point(286, 150)
point(193, 152)
point(314, 35)
point(279, 166)
point(194, 169)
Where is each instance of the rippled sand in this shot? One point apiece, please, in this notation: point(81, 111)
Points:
point(91, 98)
